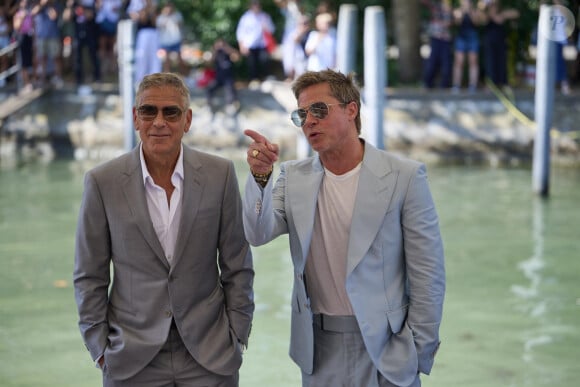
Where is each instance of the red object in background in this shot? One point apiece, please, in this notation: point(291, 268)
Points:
point(206, 78)
point(270, 41)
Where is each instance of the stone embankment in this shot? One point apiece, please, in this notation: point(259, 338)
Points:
point(432, 126)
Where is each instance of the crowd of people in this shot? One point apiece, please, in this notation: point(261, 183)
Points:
point(308, 41)
point(81, 35)
point(467, 43)
point(474, 33)
point(302, 47)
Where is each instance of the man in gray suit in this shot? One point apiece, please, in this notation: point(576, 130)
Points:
point(176, 307)
point(369, 277)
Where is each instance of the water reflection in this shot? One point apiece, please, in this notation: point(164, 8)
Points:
point(532, 302)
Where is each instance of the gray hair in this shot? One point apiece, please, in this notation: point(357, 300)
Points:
point(158, 80)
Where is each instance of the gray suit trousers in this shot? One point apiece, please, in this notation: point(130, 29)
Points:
point(173, 366)
point(341, 360)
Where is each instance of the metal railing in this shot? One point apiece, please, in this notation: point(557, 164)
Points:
point(12, 49)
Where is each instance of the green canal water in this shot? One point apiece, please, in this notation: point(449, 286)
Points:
point(511, 314)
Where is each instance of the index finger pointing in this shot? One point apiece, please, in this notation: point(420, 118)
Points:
point(257, 137)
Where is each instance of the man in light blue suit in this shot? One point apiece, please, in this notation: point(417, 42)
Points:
point(369, 277)
point(176, 307)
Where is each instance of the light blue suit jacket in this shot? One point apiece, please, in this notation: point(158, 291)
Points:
point(207, 289)
point(395, 266)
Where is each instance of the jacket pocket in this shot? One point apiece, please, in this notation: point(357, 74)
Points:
point(397, 317)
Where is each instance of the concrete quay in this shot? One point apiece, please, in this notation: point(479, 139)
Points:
point(432, 126)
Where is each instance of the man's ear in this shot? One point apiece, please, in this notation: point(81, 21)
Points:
point(352, 109)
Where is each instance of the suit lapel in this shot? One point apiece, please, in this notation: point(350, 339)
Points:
point(193, 182)
point(375, 189)
point(134, 191)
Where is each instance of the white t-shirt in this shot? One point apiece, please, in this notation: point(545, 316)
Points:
point(326, 262)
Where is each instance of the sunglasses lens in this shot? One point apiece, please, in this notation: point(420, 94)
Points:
point(298, 117)
point(318, 110)
point(172, 113)
point(147, 112)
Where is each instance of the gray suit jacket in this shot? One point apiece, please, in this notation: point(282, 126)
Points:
point(395, 267)
point(207, 290)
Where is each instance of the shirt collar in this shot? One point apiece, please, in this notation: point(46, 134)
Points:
point(177, 172)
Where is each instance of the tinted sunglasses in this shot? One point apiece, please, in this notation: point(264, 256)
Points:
point(319, 110)
point(149, 113)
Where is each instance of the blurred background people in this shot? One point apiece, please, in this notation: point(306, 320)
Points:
point(252, 45)
point(108, 15)
point(320, 46)
point(577, 62)
point(223, 58)
point(325, 7)
point(300, 37)
point(5, 31)
point(47, 42)
point(170, 27)
point(562, 38)
point(494, 42)
point(144, 13)
point(467, 18)
point(85, 40)
point(290, 9)
point(439, 62)
point(23, 26)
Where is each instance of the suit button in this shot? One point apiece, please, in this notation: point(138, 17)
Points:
point(168, 313)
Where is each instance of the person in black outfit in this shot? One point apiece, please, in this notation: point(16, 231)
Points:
point(494, 42)
point(85, 37)
point(440, 60)
point(223, 56)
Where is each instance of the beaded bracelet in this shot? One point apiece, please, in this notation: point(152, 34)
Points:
point(262, 178)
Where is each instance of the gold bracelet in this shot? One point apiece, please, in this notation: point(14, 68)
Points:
point(262, 178)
